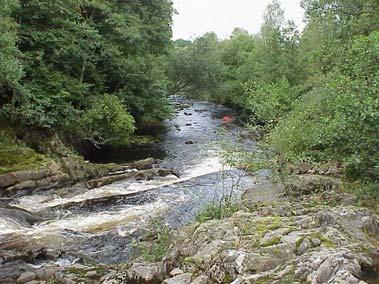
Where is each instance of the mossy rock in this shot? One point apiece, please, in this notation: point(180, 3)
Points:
point(14, 156)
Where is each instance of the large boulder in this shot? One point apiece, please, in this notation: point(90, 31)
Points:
point(298, 185)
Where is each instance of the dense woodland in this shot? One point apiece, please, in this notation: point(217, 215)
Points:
point(101, 68)
point(316, 91)
point(99, 61)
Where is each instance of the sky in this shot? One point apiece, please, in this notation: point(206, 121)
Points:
point(196, 17)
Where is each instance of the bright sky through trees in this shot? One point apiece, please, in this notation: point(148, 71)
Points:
point(196, 17)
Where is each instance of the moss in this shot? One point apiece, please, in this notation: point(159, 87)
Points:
point(324, 240)
point(228, 279)
point(78, 272)
point(272, 242)
point(17, 157)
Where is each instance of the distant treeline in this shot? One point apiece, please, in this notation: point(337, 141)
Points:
point(316, 91)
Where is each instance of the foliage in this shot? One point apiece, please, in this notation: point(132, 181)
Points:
point(157, 249)
point(270, 102)
point(316, 91)
point(69, 53)
point(194, 68)
point(217, 211)
point(16, 157)
point(108, 118)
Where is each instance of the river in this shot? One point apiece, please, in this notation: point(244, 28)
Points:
point(101, 224)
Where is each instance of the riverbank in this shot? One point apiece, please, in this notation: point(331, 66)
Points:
point(104, 230)
point(297, 237)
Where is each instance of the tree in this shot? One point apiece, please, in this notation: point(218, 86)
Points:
point(72, 52)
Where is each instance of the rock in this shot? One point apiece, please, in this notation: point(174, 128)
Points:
point(188, 124)
point(146, 272)
point(26, 277)
point(202, 279)
point(176, 272)
point(7, 180)
point(13, 178)
point(108, 180)
point(20, 215)
point(273, 237)
point(67, 280)
point(189, 142)
point(304, 246)
point(41, 274)
point(303, 168)
point(180, 279)
point(143, 164)
point(91, 274)
point(263, 192)
point(187, 113)
point(48, 182)
point(139, 175)
point(330, 266)
point(297, 185)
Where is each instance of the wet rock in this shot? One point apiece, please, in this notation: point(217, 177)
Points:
point(143, 164)
point(108, 180)
point(7, 180)
point(139, 175)
point(180, 279)
point(189, 142)
point(20, 215)
point(10, 179)
point(187, 113)
point(26, 277)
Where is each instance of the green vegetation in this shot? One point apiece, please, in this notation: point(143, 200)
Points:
point(98, 70)
point(156, 249)
point(217, 211)
point(16, 157)
point(64, 62)
point(315, 91)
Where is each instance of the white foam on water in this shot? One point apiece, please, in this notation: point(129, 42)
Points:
point(9, 226)
point(124, 220)
point(36, 203)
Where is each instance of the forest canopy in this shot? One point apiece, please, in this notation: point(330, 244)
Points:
point(62, 60)
point(315, 91)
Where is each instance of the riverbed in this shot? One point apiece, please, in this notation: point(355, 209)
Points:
point(100, 225)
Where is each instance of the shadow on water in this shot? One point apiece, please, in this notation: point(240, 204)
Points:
point(124, 154)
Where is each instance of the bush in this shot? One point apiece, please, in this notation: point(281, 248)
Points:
point(108, 121)
point(270, 102)
point(339, 119)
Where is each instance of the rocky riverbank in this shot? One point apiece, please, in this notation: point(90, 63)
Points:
point(292, 237)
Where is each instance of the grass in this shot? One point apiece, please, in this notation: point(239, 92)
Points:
point(216, 211)
point(157, 249)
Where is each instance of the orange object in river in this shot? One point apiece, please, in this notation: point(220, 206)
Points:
point(227, 119)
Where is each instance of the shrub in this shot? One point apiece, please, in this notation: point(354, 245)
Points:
point(108, 121)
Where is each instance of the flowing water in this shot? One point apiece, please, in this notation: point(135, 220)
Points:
point(101, 224)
